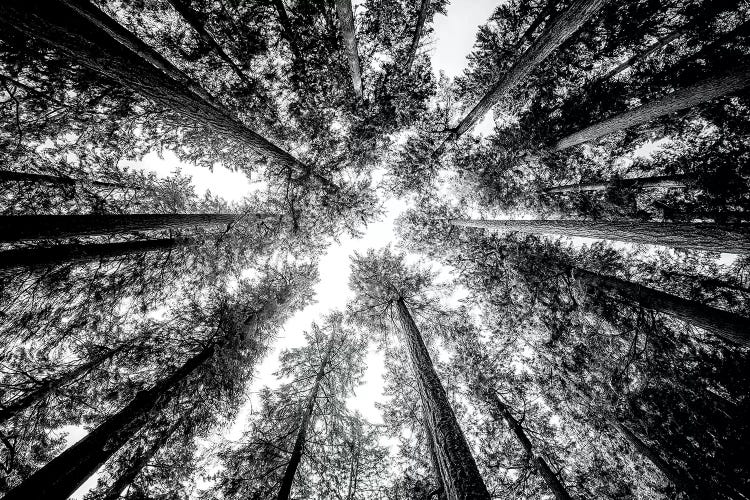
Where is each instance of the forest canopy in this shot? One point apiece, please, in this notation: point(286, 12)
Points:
point(528, 280)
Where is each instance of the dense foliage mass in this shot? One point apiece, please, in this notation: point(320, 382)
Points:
point(564, 313)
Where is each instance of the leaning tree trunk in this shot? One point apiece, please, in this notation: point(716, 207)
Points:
point(654, 182)
point(730, 238)
point(51, 385)
point(86, 35)
point(40, 258)
point(640, 56)
point(288, 32)
point(678, 100)
point(540, 464)
point(458, 471)
point(424, 9)
point(36, 227)
point(11, 176)
point(137, 463)
point(346, 22)
point(299, 443)
point(548, 9)
point(564, 25)
point(193, 19)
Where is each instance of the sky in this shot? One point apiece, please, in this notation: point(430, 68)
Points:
point(452, 41)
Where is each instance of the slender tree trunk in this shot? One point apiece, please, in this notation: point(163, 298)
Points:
point(678, 100)
point(730, 238)
point(654, 182)
point(288, 32)
point(193, 19)
point(346, 23)
point(39, 258)
point(52, 385)
point(538, 20)
point(36, 227)
point(564, 25)
point(137, 463)
point(11, 176)
point(86, 35)
point(549, 477)
point(640, 56)
point(424, 9)
point(458, 470)
point(307, 416)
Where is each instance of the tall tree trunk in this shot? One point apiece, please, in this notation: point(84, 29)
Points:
point(39, 258)
point(193, 19)
point(678, 100)
point(35, 227)
point(307, 415)
point(731, 238)
point(51, 385)
point(540, 464)
point(564, 25)
point(548, 9)
point(654, 182)
point(640, 56)
point(12, 176)
point(346, 23)
point(458, 470)
point(424, 9)
point(137, 463)
point(86, 35)
point(288, 33)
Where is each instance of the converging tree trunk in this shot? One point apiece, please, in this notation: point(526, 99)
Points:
point(563, 26)
point(678, 100)
point(36, 227)
point(346, 23)
point(307, 417)
point(458, 471)
point(731, 238)
point(39, 258)
point(424, 9)
point(640, 56)
point(288, 33)
point(654, 182)
point(12, 176)
point(86, 35)
point(548, 10)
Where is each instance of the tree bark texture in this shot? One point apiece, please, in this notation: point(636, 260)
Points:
point(36, 227)
point(678, 100)
point(39, 258)
point(12, 176)
point(563, 26)
point(654, 182)
point(86, 35)
point(307, 416)
point(458, 471)
point(424, 9)
point(346, 23)
point(538, 20)
point(730, 238)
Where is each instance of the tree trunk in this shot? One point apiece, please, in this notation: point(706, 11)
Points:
point(307, 415)
point(629, 62)
point(654, 182)
point(346, 23)
point(36, 227)
point(567, 23)
point(137, 463)
point(288, 32)
point(458, 470)
point(51, 385)
point(724, 324)
point(11, 176)
point(538, 20)
point(678, 100)
point(86, 35)
point(424, 8)
point(549, 477)
point(40, 258)
point(730, 238)
point(193, 19)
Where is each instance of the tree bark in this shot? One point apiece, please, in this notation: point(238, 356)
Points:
point(424, 8)
point(51, 385)
point(193, 19)
point(654, 182)
point(39, 258)
point(678, 100)
point(307, 415)
point(37, 227)
point(730, 238)
point(567, 23)
point(288, 32)
point(538, 20)
point(86, 35)
point(458, 470)
point(12, 176)
point(346, 23)
point(629, 62)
